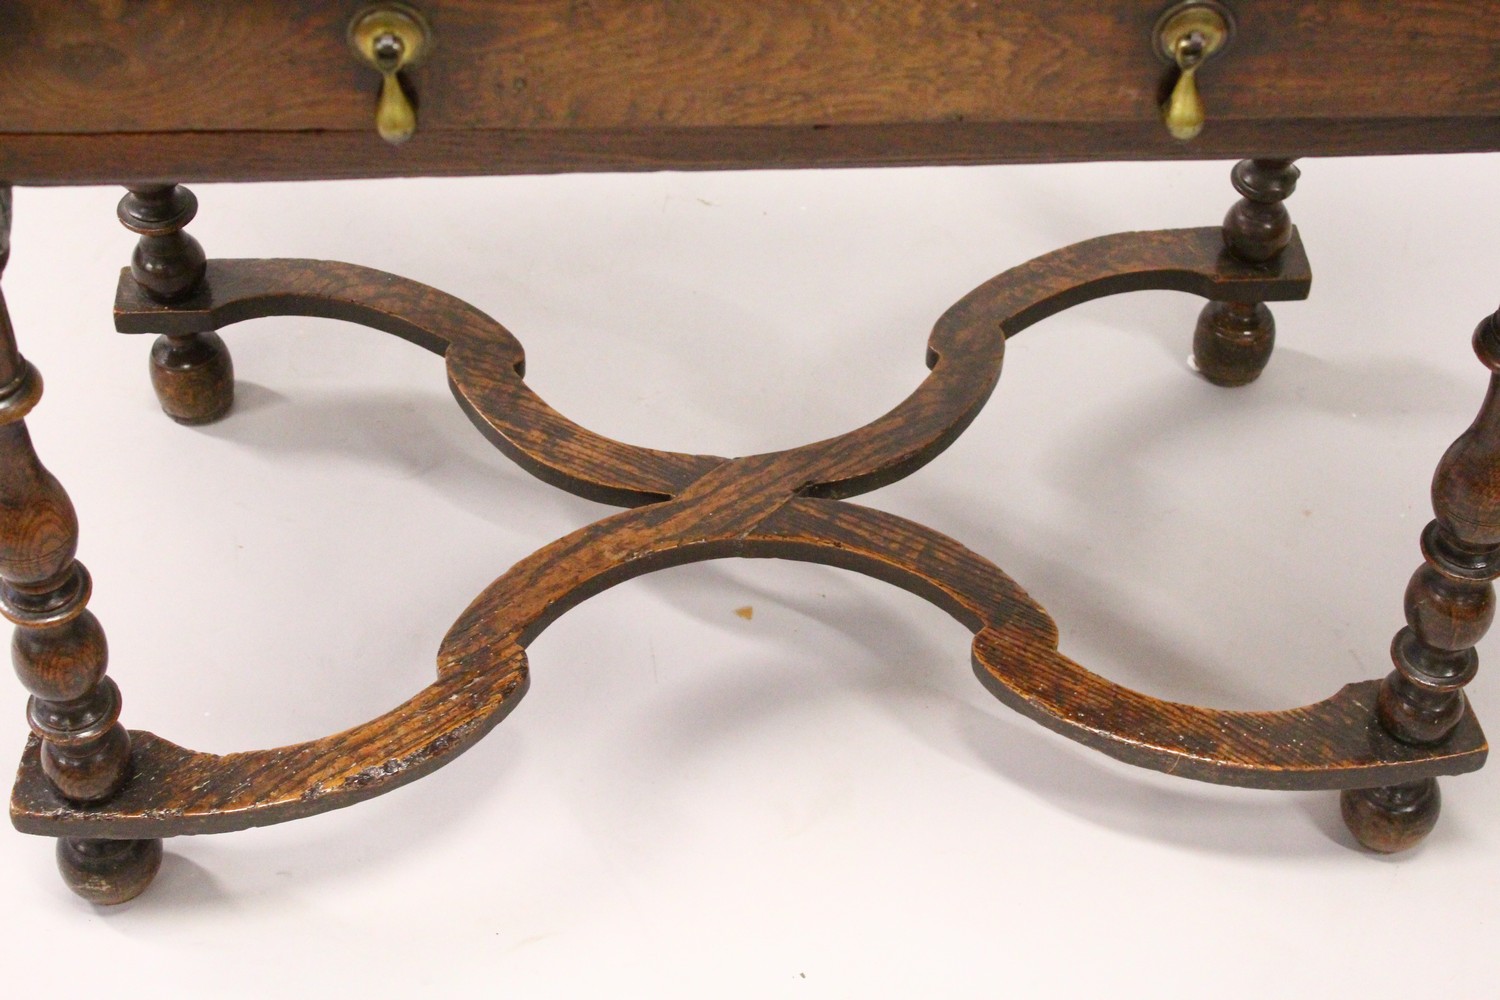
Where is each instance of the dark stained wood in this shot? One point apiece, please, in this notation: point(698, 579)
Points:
point(174, 791)
point(262, 156)
point(1258, 229)
point(1450, 605)
point(96, 92)
point(192, 373)
point(690, 507)
point(1232, 342)
point(485, 359)
point(284, 65)
point(148, 94)
point(167, 263)
point(108, 872)
point(1392, 818)
point(1333, 744)
point(193, 377)
point(59, 650)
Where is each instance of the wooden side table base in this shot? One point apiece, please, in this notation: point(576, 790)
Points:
point(685, 508)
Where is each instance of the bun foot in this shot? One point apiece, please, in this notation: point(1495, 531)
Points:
point(107, 872)
point(1394, 818)
point(1232, 342)
point(193, 377)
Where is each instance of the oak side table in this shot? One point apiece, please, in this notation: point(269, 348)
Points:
point(153, 95)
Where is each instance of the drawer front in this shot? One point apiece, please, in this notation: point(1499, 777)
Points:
point(107, 66)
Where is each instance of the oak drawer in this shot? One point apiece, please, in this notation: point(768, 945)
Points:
point(283, 65)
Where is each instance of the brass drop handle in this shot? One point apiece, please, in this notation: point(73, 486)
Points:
point(1187, 35)
point(390, 38)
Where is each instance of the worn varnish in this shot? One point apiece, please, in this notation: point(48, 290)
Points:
point(81, 752)
point(150, 95)
point(688, 508)
point(263, 156)
point(112, 92)
point(1450, 604)
point(1233, 340)
point(192, 373)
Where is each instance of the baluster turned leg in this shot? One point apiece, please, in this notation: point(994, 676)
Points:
point(58, 648)
point(1233, 340)
point(192, 373)
point(1450, 604)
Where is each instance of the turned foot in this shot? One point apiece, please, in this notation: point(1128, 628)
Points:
point(108, 872)
point(191, 373)
point(193, 377)
point(1232, 343)
point(58, 648)
point(1391, 819)
point(1450, 605)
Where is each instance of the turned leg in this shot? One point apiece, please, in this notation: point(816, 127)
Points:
point(1450, 604)
point(1233, 340)
point(58, 648)
point(191, 373)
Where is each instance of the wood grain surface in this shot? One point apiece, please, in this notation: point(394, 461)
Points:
point(79, 750)
point(173, 90)
point(689, 508)
point(164, 157)
point(1450, 605)
point(78, 66)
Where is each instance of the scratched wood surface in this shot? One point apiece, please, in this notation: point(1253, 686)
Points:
point(686, 508)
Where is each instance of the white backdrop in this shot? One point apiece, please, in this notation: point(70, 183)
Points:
point(821, 800)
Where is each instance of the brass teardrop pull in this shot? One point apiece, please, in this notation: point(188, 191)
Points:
point(390, 38)
point(1187, 35)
